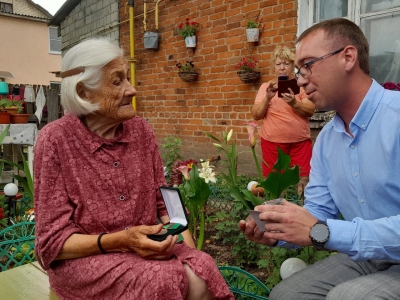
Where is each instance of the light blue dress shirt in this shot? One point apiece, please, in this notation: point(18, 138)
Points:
point(360, 178)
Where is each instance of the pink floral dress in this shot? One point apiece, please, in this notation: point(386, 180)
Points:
point(88, 185)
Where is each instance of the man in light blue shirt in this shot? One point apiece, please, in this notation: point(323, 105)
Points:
point(355, 171)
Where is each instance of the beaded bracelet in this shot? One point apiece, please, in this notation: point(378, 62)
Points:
point(99, 243)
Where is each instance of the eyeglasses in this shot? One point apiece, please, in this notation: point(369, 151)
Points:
point(305, 70)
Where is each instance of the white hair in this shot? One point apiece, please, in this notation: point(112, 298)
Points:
point(93, 55)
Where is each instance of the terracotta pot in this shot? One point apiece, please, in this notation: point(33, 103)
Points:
point(19, 118)
point(4, 117)
point(13, 110)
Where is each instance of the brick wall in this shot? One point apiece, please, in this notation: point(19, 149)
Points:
point(218, 101)
point(90, 18)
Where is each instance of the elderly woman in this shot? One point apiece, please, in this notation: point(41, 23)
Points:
point(284, 120)
point(97, 178)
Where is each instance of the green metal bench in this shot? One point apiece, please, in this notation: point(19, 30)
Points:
point(17, 244)
point(243, 284)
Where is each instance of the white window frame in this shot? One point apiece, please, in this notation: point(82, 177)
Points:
point(306, 13)
point(50, 51)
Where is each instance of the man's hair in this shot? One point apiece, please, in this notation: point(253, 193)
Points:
point(92, 54)
point(283, 53)
point(341, 32)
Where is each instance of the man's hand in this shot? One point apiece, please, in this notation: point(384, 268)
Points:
point(138, 242)
point(287, 222)
point(252, 233)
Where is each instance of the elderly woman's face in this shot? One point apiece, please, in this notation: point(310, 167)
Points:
point(115, 93)
point(283, 67)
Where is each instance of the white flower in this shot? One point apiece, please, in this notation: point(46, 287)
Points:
point(207, 174)
point(205, 164)
point(229, 135)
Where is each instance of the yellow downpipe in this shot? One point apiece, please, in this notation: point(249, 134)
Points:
point(132, 47)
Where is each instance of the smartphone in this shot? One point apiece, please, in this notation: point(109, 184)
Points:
point(284, 84)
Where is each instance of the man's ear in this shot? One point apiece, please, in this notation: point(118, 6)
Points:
point(82, 91)
point(351, 57)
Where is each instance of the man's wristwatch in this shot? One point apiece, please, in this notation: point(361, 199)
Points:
point(319, 234)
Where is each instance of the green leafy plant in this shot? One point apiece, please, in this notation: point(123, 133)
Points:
point(188, 28)
point(252, 24)
point(187, 67)
point(196, 192)
point(247, 64)
point(171, 152)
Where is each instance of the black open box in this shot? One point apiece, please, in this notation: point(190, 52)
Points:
point(176, 211)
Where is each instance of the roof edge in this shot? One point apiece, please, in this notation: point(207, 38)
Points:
point(64, 10)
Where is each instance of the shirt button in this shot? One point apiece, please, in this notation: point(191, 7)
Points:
point(362, 126)
point(356, 174)
point(122, 198)
point(116, 164)
point(362, 200)
point(353, 147)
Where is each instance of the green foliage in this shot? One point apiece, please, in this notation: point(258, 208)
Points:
point(171, 151)
point(284, 176)
point(196, 193)
point(187, 28)
point(252, 24)
point(276, 256)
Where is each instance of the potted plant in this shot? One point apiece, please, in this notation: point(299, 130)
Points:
point(11, 106)
point(188, 31)
point(252, 31)
point(187, 72)
point(247, 69)
point(20, 117)
point(4, 115)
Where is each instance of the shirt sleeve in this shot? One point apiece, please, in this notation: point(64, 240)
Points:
point(53, 208)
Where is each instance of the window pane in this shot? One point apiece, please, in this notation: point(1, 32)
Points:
point(376, 5)
point(55, 46)
point(384, 41)
point(325, 10)
point(53, 33)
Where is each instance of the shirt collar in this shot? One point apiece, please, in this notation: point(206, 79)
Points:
point(366, 110)
point(92, 140)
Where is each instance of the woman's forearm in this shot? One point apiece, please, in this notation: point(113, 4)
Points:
point(82, 245)
point(304, 108)
point(259, 110)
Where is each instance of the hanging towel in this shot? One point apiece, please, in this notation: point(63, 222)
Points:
point(29, 94)
point(40, 103)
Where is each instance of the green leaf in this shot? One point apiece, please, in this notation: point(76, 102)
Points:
point(213, 137)
point(250, 197)
point(4, 134)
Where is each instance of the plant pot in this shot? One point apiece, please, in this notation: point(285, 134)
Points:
point(252, 34)
point(19, 118)
point(4, 117)
point(249, 77)
point(188, 76)
point(13, 110)
point(190, 41)
point(150, 40)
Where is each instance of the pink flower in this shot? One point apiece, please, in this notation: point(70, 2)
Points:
point(251, 126)
point(185, 171)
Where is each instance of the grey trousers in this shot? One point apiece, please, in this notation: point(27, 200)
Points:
point(340, 278)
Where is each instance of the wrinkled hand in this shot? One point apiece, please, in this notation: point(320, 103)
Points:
point(252, 233)
point(138, 242)
point(271, 90)
point(289, 97)
point(287, 222)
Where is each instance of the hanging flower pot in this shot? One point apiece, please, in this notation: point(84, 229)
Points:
point(150, 40)
point(188, 76)
point(187, 72)
point(249, 76)
point(190, 41)
point(252, 34)
point(187, 30)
